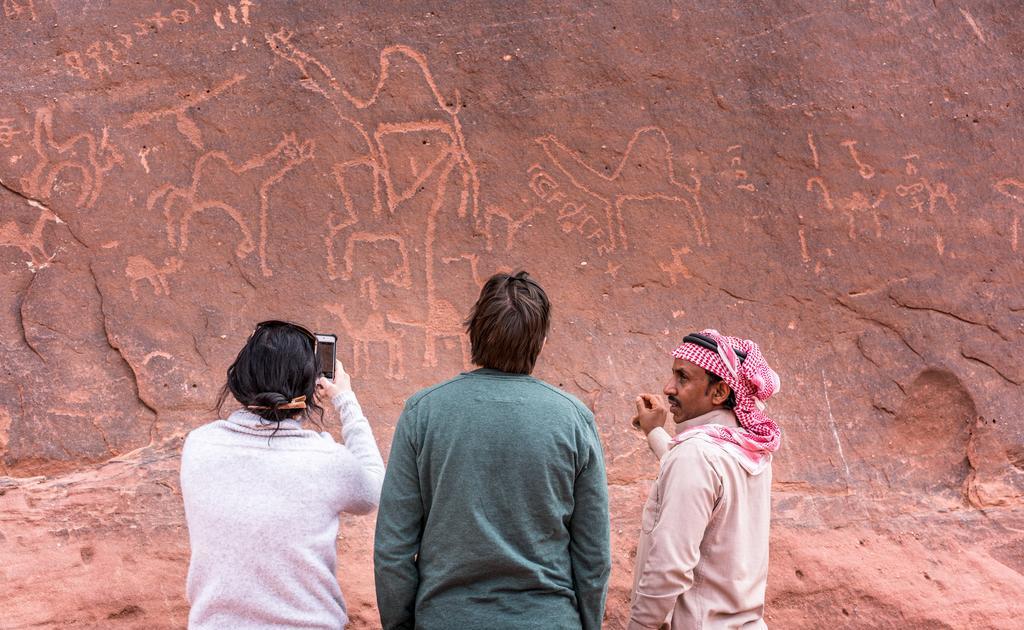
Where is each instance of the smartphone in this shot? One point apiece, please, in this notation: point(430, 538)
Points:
point(327, 348)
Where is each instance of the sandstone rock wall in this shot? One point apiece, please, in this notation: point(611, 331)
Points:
point(839, 181)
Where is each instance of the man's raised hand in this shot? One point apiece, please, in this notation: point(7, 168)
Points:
point(650, 413)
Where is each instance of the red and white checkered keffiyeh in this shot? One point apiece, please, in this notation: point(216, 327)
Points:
point(752, 381)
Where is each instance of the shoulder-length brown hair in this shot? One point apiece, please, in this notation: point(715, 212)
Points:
point(508, 323)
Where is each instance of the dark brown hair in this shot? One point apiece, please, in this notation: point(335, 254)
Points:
point(508, 323)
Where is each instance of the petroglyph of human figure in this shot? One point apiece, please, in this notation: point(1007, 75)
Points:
point(374, 329)
point(30, 243)
point(645, 173)
point(853, 207)
point(140, 268)
point(207, 191)
point(80, 153)
point(676, 267)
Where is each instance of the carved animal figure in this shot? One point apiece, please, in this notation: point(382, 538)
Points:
point(646, 173)
point(57, 159)
point(242, 191)
point(442, 321)
point(32, 242)
point(140, 268)
point(372, 330)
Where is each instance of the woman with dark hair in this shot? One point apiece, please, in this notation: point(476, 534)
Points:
point(263, 494)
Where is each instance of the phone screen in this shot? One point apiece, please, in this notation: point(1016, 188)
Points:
point(326, 347)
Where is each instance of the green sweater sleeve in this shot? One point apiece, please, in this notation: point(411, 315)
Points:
point(589, 531)
point(399, 528)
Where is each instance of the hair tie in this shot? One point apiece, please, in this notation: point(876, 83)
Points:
point(299, 402)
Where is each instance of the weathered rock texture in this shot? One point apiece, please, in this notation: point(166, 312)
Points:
point(840, 181)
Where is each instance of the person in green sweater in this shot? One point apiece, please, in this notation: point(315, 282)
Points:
point(494, 511)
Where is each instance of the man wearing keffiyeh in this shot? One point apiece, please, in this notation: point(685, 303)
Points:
point(702, 557)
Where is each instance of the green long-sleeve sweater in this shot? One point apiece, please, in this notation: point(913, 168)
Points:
point(494, 512)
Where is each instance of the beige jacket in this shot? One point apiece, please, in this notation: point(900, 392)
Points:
point(702, 558)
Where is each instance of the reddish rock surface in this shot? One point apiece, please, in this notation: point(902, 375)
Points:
point(840, 181)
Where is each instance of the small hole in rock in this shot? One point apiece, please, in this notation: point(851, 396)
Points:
point(127, 611)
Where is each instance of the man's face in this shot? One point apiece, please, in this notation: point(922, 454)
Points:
point(687, 391)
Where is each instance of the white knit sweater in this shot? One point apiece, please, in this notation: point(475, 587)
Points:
point(262, 518)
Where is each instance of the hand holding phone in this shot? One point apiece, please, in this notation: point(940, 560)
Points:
point(340, 384)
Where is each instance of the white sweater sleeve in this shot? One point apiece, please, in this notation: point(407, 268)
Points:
point(363, 487)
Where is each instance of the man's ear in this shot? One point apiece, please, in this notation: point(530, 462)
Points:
point(721, 393)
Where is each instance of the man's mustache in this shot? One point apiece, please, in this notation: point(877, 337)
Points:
point(673, 400)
